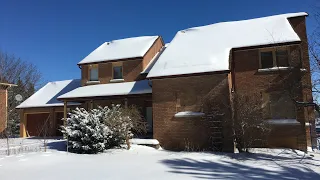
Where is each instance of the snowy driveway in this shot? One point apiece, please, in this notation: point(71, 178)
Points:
point(147, 163)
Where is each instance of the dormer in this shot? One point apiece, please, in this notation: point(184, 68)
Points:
point(123, 60)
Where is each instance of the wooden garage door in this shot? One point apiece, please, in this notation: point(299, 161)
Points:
point(35, 123)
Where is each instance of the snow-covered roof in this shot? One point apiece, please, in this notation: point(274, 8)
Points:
point(121, 49)
point(111, 89)
point(207, 48)
point(47, 95)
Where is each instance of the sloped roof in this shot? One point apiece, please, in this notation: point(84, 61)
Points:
point(207, 48)
point(111, 89)
point(47, 95)
point(121, 49)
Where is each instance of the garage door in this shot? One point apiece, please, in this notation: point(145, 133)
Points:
point(35, 124)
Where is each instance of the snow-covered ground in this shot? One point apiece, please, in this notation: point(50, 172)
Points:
point(23, 145)
point(141, 162)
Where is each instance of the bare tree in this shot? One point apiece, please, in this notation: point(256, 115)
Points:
point(250, 128)
point(44, 131)
point(314, 49)
point(237, 118)
point(26, 76)
point(139, 125)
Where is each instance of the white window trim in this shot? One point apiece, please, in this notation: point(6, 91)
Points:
point(95, 66)
point(93, 82)
point(117, 64)
point(116, 80)
point(280, 69)
point(274, 58)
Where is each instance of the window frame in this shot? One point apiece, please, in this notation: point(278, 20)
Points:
point(117, 64)
point(93, 66)
point(274, 55)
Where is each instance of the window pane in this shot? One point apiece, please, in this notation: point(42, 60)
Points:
point(282, 58)
point(94, 74)
point(266, 59)
point(282, 106)
point(117, 72)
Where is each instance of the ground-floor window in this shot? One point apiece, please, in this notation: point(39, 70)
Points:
point(278, 105)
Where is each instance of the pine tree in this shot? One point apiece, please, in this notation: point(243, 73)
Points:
point(85, 132)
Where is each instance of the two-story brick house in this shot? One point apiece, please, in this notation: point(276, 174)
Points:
point(266, 58)
point(114, 73)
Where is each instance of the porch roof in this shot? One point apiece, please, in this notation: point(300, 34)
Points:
point(105, 90)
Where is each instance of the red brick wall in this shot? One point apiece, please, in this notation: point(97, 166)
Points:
point(158, 44)
point(3, 109)
point(185, 133)
point(299, 25)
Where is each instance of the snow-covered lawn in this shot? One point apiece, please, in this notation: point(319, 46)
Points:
point(23, 145)
point(141, 162)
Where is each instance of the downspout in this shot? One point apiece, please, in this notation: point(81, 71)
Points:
point(232, 92)
point(232, 72)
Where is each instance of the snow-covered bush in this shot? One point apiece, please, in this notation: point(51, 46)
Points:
point(122, 122)
point(85, 131)
point(102, 128)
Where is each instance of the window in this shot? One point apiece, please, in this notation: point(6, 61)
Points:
point(93, 72)
point(282, 58)
point(117, 71)
point(274, 57)
point(278, 105)
point(266, 59)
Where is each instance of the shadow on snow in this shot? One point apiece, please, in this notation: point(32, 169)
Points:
point(236, 168)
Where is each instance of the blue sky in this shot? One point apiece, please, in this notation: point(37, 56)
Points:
point(55, 35)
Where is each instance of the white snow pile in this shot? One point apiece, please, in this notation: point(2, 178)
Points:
point(189, 114)
point(283, 121)
point(121, 49)
point(112, 89)
point(47, 95)
point(207, 48)
point(144, 141)
point(141, 162)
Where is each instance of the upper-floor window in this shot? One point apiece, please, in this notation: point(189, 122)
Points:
point(93, 72)
point(274, 57)
point(117, 70)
